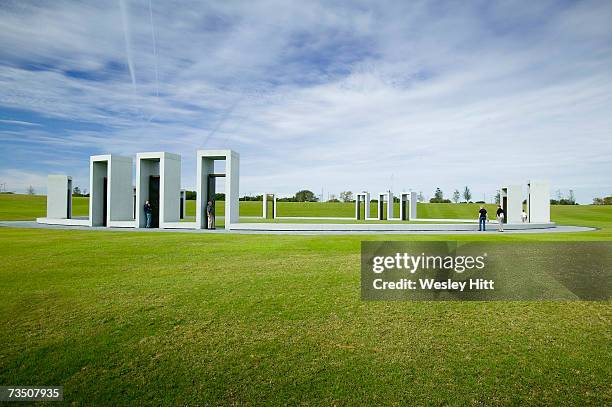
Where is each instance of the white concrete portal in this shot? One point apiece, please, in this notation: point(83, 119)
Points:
point(380, 206)
point(362, 197)
point(59, 197)
point(158, 180)
point(538, 201)
point(408, 204)
point(265, 203)
point(110, 188)
point(391, 206)
point(206, 184)
point(511, 201)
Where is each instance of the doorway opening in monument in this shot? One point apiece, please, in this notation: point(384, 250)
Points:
point(361, 204)
point(382, 208)
point(105, 202)
point(216, 192)
point(69, 200)
point(154, 199)
point(505, 207)
point(404, 208)
point(270, 206)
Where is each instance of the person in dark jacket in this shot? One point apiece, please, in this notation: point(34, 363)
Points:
point(210, 213)
point(148, 210)
point(501, 215)
point(482, 219)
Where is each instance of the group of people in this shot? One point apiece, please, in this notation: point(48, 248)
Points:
point(500, 215)
point(210, 214)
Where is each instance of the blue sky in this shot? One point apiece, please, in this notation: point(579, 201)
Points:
point(332, 96)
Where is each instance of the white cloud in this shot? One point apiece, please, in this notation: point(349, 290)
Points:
point(314, 94)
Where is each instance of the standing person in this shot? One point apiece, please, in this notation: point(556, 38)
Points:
point(210, 213)
point(482, 219)
point(148, 210)
point(500, 218)
point(524, 216)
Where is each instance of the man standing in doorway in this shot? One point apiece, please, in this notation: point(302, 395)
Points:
point(210, 213)
point(500, 218)
point(482, 219)
point(148, 210)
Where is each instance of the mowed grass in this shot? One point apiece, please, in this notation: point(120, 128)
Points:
point(122, 318)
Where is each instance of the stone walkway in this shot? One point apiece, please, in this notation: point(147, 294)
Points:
point(491, 230)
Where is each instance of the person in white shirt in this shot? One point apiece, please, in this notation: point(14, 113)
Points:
point(524, 216)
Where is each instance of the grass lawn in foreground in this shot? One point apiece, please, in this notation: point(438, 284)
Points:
point(147, 318)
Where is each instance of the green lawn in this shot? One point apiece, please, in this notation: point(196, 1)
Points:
point(122, 318)
point(245, 319)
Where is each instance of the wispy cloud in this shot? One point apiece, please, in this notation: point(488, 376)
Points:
point(317, 94)
point(18, 123)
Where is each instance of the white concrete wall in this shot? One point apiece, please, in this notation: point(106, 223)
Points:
point(413, 206)
point(365, 198)
point(205, 166)
point(120, 199)
point(267, 197)
point(538, 202)
point(98, 169)
point(514, 199)
point(170, 188)
point(232, 185)
point(59, 197)
point(168, 167)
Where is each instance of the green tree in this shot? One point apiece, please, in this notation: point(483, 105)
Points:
point(346, 196)
point(456, 196)
point(305, 196)
point(467, 194)
point(438, 195)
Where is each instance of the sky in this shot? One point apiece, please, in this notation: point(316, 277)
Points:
point(321, 95)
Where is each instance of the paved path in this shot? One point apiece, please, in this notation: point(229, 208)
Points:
point(34, 225)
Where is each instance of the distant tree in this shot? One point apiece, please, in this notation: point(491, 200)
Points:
point(305, 196)
point(76, 191)
point(603, 201)
point(346, 196)
point(421, 197)
point(439, 197)
point(219, 197)
point(562, 200)
point(456, 196)
point(190, 195)
point(30, 190)
point(439, 194)
point(467, 194)
point(332, 198)
point(571, 198)
point(497, 197)
point(252, 198)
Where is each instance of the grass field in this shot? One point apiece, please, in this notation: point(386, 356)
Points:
point(168, 318)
